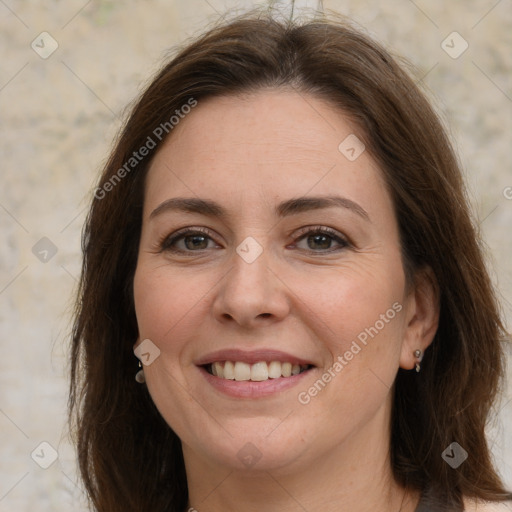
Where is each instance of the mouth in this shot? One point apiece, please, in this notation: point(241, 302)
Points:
point(257, 372)
point(253, 374)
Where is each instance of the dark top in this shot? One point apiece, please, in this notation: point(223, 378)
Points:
point(430, 502)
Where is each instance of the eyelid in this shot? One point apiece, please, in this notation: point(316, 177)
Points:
point(165, 243)
point(336, 235)
point(315, 228)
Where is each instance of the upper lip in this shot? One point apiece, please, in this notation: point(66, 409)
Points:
point(250, 357)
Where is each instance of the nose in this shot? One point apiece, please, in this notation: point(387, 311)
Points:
point(251, 294)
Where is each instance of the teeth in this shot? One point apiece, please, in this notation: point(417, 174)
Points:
point(218, 369)
point(257, 372)
point(274, 370)
point(229, 370)
point(286, 369)
point(242, 371)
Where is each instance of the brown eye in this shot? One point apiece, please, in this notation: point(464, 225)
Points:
point(322, 240)
point(188, 241)
point(195, 242)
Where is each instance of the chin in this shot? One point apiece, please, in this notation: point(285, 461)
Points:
point(253, 448)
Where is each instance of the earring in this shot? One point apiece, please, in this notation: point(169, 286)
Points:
point(419, 356)
point(139, 376)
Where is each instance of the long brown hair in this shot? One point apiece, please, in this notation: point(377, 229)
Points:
point(129, 458)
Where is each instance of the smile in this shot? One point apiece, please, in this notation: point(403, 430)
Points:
point(257, 372)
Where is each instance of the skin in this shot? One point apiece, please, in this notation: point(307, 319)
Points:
point(302, 296)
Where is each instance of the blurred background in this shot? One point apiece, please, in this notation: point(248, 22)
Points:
point(68, 71)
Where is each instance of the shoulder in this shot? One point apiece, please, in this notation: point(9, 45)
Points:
point(486, 506)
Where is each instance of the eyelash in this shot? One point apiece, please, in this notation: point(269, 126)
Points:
point(166, 244)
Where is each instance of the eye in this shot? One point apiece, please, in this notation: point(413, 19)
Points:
point(320, 239)
point(313, 239)
point(188, 240)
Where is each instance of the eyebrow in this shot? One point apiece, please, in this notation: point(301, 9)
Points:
point(284, 209)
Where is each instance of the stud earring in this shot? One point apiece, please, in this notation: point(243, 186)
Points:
point(418, 354)
point(139, 376)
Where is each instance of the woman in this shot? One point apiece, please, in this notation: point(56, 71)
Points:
point(281, 236)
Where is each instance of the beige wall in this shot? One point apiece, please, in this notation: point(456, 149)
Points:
point(57, 119)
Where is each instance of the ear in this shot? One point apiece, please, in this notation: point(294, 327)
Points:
point(422, 316)
point(137, 342)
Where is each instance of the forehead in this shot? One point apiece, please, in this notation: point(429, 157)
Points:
point(263, 147)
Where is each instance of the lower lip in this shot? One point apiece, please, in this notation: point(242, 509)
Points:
point(252, 389)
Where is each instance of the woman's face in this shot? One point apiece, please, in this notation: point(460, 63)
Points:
point(268, 248)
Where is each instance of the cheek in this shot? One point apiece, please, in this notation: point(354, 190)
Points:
point(356, 316)
point(346, 302)
point(168, 304)
point(166, 301)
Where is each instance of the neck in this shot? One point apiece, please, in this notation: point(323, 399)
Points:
point(355, 476)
